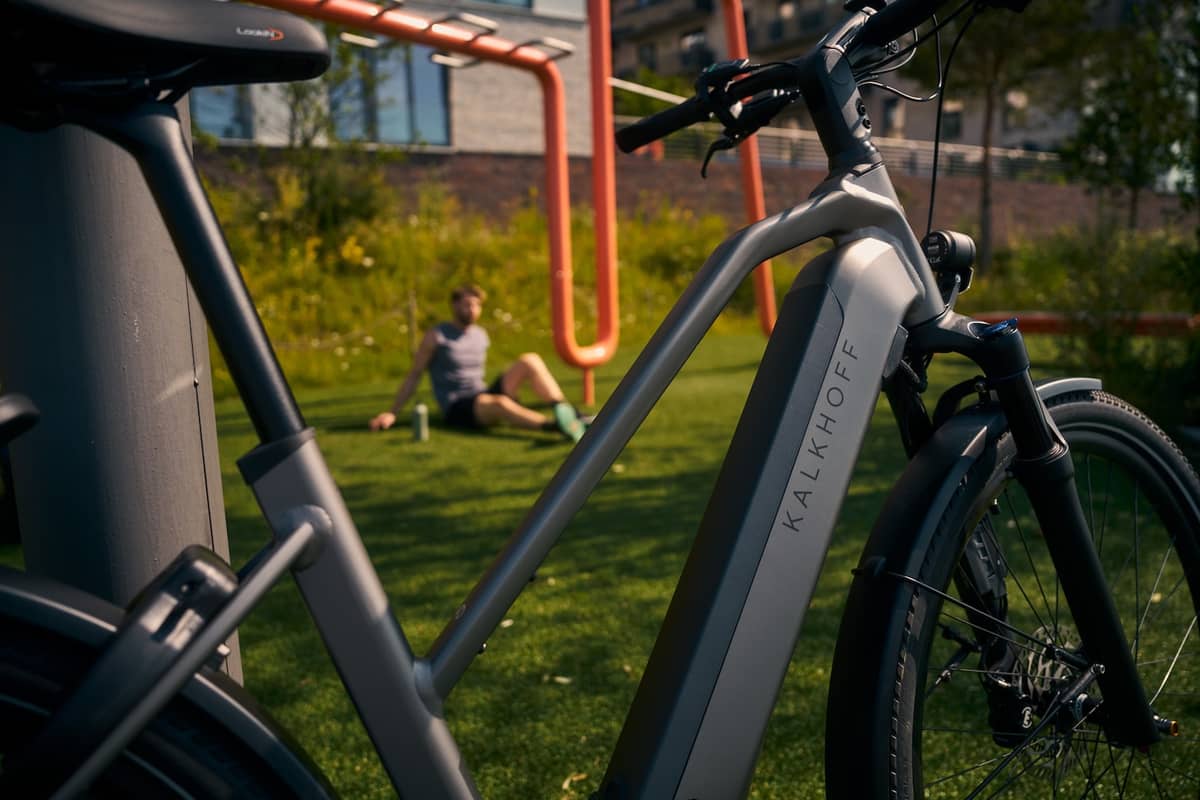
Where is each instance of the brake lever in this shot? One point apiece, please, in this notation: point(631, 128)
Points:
point(723, 143)
point(749, 118)
point(710, 88)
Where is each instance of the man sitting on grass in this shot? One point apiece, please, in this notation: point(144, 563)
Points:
point(455, 353)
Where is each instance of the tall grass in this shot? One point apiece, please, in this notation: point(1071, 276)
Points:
point(346, 275)
point(345, 293)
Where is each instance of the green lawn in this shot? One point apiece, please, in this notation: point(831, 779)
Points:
point(542, 708)
point(537, 715)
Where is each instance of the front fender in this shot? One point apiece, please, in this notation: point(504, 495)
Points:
point(920, 496)
point(907, 522)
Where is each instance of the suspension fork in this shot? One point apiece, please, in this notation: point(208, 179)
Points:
point(1044, 468)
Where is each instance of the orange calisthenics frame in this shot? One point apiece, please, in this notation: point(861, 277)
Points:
point(390, 20)
point(748, 160)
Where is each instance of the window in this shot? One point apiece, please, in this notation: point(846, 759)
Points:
point(223, 111)
point(893, 117)
point(952, 121)
point(694, 52)
point(398, 97)
point(647, 55)
point(692, 39)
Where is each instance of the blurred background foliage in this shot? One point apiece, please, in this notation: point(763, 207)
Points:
point(347, 273)
point(346, 276)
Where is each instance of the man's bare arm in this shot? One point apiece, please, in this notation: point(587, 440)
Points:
point(412, 380)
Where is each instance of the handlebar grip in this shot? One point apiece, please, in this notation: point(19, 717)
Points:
point(900, 17)
point(656, 126)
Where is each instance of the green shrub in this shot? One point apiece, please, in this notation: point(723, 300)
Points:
point(346, 276)
point(344, 296)
point(1105, 280)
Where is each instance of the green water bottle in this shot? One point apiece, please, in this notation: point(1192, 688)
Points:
point(420, 423)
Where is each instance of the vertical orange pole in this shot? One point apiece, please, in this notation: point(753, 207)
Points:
point(604, 185)
point(558, 214)
point(752, 187)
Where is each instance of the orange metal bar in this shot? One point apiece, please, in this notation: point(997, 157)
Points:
point(752, 187)
point(396, 23)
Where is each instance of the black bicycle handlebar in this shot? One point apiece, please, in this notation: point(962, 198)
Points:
point(897, 19)
point(658, 125)
point(694, 109)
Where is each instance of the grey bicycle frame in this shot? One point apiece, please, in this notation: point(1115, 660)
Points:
point(696, 724)
point(734, 622)
point(695, 727)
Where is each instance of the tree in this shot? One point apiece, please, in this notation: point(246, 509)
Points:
point(338, 177)
point(1036, 52)
point(1137, 123)
point(1179, 39)
point(312, 105)
point(627, 103)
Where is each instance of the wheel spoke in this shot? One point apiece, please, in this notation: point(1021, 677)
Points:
point(1189, 776)
point(1019, 774)
point(1104, 509)
point(1091, 500)
point(1068, 657)
point(1093, 752)
point(1162, 568)
point(1148, 766)
point(1137, 576)
point(1013, 723)
point(1175, 660)
point(962, 772)
point(1128, 771)
point(1032, 566)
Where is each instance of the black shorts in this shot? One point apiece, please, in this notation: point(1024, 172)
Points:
point(461, 413)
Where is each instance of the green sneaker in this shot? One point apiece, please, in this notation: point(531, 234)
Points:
point(568, 422)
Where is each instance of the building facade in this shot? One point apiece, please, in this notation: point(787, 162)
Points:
point(403, 94)
point(681, 37)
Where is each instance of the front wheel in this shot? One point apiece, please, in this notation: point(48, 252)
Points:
point(975, 683)
point(184, 754)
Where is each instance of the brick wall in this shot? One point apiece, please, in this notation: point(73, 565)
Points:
point(496, 184)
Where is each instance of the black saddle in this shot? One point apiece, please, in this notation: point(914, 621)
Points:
point(58, 51)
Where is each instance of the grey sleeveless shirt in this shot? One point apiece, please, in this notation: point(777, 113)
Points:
point(458, 364)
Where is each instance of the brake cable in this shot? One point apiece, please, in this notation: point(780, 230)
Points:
point(937, 135)
point(935, 31)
